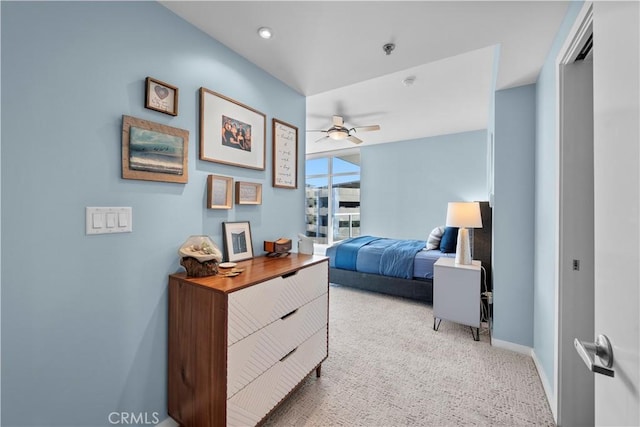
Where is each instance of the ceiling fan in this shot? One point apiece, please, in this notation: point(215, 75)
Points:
point(338, 131)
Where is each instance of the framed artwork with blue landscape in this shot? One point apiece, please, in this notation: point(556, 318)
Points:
point(153, 151)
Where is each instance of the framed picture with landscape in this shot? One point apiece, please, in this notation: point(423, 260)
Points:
point(230, 132)
point(153, 151)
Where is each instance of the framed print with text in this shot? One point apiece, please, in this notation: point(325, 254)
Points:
point(285, 154)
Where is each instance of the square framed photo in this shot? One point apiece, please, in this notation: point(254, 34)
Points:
point(161, 96)
point(285, 154)
point(219, 192)
point(153, 151)
point(237, 240)
point(230, 132)
point(248, 193)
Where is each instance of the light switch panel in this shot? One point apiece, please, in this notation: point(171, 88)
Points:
point(99, 220)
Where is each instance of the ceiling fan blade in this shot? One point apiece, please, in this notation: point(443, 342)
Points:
point(354, 139)
point(322, 139)
point(366, 128)
point(316, 130)
point(337, 121)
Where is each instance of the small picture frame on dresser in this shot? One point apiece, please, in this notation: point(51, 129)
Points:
point(237, 240)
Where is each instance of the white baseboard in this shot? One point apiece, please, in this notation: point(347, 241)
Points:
point(518, 348)
point(168, 422)
point(546, 385)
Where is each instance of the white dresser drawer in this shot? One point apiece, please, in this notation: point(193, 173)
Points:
point(255, 307)
point(252, 403)
point(253, 355)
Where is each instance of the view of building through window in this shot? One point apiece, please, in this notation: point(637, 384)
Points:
point(333, 198)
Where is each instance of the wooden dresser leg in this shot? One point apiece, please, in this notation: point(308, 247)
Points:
point(318, 370)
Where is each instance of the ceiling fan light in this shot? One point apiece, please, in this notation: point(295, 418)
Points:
point(338, 134)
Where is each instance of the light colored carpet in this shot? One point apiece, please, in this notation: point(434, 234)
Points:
point(388, 367)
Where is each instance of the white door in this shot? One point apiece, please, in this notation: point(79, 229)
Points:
point(616, 72)
point(575, 387)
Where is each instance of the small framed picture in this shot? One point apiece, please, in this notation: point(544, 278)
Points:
point(161, 96)
point(153, 151)
point(219, 192)
point(237, 240)
point(248, 193)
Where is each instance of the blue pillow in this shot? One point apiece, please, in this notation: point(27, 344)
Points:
point(449, 240)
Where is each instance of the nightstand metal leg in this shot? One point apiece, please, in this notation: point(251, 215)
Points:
point(476, 336)
point(435, 327)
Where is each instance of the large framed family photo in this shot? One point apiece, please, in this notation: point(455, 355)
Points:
point(230, 132)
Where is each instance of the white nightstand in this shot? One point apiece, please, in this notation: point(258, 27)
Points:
point(456, 294)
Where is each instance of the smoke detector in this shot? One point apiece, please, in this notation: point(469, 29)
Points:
point(388, 48)
point(409, 80)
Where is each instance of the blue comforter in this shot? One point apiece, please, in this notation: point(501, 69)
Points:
point(396, 256)
point(347, 252)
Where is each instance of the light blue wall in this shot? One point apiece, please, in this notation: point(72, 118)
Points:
point(513, 215)
point(84, 318)
point(405, 186)
point(546, 208)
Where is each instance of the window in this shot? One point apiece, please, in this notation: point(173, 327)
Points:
point(333, 198)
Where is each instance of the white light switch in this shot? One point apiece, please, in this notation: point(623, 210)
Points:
point(111, 219)
point(100, 220)
point(97, 219)
point(123, 219)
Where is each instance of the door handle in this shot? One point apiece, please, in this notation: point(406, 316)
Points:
point(601, 348)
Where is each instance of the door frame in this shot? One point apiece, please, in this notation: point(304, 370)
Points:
point(580, 31)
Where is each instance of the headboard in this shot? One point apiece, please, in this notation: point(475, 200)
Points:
point(482, 242)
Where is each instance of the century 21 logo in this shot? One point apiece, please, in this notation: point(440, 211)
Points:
point(134, 418)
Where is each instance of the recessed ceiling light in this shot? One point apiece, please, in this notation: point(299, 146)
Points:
point(265, 32)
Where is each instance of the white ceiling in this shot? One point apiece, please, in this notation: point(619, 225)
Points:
point(332, 52)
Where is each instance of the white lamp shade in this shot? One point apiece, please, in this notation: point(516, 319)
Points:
point(464, 214)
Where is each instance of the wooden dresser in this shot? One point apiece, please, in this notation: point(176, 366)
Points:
point(239, 345)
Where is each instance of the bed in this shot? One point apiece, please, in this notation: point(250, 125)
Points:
point(400, 267)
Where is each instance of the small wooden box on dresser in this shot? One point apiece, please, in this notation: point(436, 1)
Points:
point(239, 345)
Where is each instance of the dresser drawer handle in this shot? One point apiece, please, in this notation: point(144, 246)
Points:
point(289, 314)
point(293, 273)
point(288, 354)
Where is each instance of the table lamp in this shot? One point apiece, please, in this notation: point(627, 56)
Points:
point(463, 215)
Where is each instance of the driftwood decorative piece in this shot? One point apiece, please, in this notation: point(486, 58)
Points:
point(196, 268)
